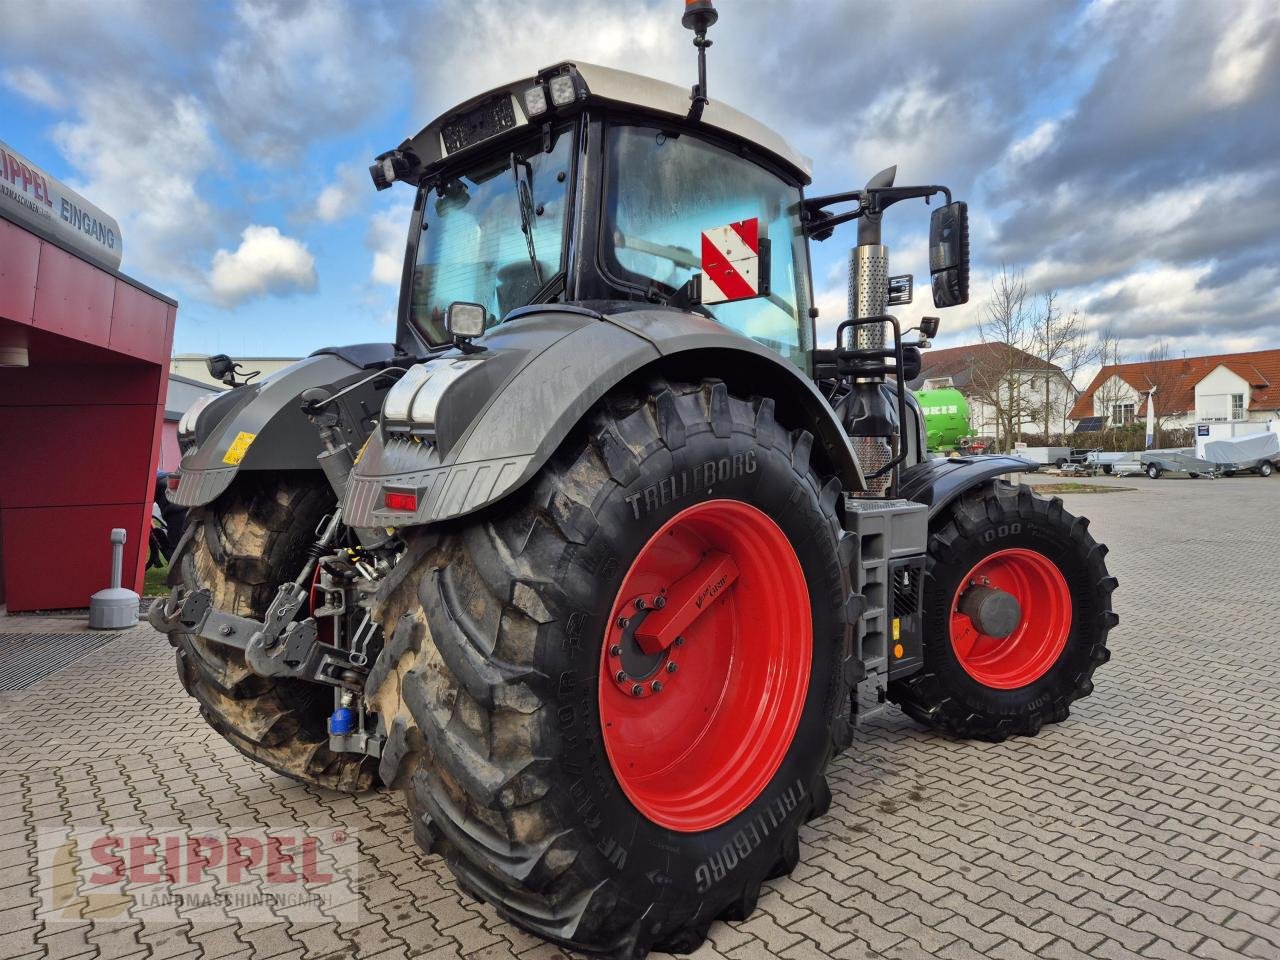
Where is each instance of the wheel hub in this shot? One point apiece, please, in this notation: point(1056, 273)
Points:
point(637, 673)
point(705, 665)
point(1010, 618)
point(993, 611)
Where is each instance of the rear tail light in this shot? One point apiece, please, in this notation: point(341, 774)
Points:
point(407, 502)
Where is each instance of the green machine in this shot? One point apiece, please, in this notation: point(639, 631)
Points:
point(946, 417)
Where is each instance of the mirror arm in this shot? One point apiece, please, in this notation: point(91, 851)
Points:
point(872, 203)
point(821, 228)
point(817, 203)
point(880, 199)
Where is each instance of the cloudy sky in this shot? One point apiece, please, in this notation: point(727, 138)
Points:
point(1124, 153)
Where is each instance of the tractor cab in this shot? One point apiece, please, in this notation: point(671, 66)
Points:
point(589, 185)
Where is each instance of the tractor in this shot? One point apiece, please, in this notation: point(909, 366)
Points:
point(603, 560)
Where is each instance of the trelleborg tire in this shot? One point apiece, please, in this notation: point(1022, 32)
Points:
point(241, 547)
point(517, 704)
point(1009, 539)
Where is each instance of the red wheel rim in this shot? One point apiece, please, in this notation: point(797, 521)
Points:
point(696, 751)
point(1034, 646)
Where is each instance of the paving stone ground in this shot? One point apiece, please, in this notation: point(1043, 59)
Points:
point(1147, 825)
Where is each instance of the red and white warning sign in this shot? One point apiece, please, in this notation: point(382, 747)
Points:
point(735, 262)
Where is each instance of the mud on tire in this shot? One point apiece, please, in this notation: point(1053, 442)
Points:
point(489, 682)
point(985, 520)
point(241, 547)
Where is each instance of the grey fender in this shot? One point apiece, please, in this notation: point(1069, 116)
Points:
point(268, 415)
point(541, 371)
point(937, 483)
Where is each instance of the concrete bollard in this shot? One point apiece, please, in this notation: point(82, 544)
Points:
point(114, 608)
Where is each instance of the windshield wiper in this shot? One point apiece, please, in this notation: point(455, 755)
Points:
point(524, 199)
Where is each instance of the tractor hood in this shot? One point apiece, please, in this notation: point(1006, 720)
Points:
point(492, 114)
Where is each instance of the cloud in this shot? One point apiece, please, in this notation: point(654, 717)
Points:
point(34, 86)
point(140, 156)
point(292, 73)
point(386, 238)
point(341, 198)
point(265, 263)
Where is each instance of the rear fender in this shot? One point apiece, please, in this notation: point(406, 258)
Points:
point(542, 371)
point(937, 483)
point(261, 426)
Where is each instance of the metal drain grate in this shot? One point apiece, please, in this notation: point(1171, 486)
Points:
point(28, 657)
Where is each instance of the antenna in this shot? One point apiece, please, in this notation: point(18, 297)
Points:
point(699, 15)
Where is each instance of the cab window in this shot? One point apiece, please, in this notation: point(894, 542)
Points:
point(474, 245)
point(663, 190)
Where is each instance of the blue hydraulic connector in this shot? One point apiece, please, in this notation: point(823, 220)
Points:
point(343, 722)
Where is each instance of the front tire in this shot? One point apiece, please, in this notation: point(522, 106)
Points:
point(975, 685)
point(1265, 469)
point(1154, 472)
point(567, 777)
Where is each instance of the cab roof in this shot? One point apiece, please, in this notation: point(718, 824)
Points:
point(595, 84)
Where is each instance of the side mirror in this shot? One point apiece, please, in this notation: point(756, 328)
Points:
point(928, 327)
point(911, 363)
point(949, 254)
point(221, 367)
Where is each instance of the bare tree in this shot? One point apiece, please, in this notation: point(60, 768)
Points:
point(1060, 340)
point(1109, 393)
point(999, 377)
point(1161, 376)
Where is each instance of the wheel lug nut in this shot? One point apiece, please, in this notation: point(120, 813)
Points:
point(637, 690)
point(620, 676)
point(659, 601)
point(656, 686)
point(679, 641)
point(672, 667)
point(640, 604)
point(622, 623)
point(615, 651)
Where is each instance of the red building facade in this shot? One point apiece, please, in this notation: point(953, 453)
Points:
point(80, 421)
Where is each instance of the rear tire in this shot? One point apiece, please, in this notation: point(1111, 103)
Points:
point(496, 683)
point(1154, 472)
point(993, 702)
point(1265, 469)
point(241, 547)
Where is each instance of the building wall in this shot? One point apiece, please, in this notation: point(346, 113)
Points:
point(982, 416)
point(1215, 395)
point(80, 423)
point(1111, 393)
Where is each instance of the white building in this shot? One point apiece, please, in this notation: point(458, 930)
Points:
point(1023, 382)
point(1226, 388)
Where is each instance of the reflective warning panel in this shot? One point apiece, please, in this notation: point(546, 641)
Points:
point(735, 262)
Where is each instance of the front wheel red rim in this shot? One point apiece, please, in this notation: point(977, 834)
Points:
point(705, 666)
point(1034, 646)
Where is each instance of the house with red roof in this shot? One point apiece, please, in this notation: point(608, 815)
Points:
point(1226, 387)
point(1022, 384)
